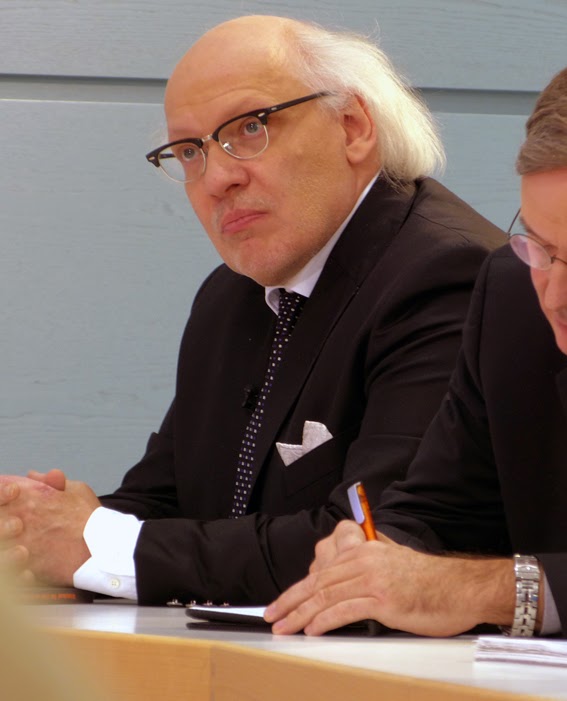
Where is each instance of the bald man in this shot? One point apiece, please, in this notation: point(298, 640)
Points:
point(316, 355)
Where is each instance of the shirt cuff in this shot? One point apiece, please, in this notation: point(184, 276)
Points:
point(111, 538)
point(551, 623)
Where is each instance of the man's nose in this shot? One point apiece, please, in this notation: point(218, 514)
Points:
point(556, 289)
point(222, 171)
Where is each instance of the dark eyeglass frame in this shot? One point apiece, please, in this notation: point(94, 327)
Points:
point(539, 247)
point(261, 114)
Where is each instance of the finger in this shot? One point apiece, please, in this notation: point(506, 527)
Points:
point(289, 600)
point(325, 553)
point(297, 607)
point(352, 559)
point(14, 559)
point(328, 609)
point(82, 490)
point(27, 578)
point(11, 527)
point(341, 614)
point(9, 491)
point(345, 581)
point(346, 535)
point(36, 476)
point(54, 478)
point(302, 595)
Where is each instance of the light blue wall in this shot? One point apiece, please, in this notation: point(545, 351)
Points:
point(100, 258)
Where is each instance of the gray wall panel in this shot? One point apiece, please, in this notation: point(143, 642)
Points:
point(438, 43)
point(481, 152)
point(101, 259)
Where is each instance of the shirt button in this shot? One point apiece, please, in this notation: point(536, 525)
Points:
point(115, 583)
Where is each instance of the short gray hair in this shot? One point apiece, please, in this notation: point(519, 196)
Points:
point(348, 64)
point(545, 146)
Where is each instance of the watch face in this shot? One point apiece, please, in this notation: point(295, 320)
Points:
point(526, 567)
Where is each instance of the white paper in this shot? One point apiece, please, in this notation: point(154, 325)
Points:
point(245, 614)
point(502, 648)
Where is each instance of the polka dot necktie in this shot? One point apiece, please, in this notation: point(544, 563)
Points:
point(291, 304)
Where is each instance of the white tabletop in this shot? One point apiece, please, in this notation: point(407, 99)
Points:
point(443, 660)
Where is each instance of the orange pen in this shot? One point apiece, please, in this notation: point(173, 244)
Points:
point(361, 510)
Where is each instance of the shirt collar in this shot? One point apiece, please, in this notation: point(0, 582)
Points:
point(306, 279)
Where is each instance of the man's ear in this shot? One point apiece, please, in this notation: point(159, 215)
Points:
point(360, 132)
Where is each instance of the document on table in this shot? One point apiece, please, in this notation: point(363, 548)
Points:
point(254, 615)
point(501, 648)
point(229, 614)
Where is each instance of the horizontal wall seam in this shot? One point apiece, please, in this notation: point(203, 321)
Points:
point(84, 89)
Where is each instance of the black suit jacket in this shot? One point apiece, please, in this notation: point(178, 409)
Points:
point(370, 358)
point(491, 473)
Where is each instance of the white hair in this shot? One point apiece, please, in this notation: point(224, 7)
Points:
point(348, 64)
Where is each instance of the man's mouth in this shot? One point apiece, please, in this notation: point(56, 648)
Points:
point(238, 219)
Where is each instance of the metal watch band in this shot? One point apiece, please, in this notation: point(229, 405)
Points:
point(526, 569)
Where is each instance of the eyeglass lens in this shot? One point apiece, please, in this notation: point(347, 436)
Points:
point(530, 251)
point(242, 138)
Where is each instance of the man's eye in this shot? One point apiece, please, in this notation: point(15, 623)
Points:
point(185, 152)
point(251, 128)
point(188, 153)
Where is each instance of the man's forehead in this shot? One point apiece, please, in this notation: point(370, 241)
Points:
point(205, 84)
point(546, 190)
point(221, 94)
point(206, 108)
point(202, 86)
point(544, 206)
point(240, 65)
point(210, 86)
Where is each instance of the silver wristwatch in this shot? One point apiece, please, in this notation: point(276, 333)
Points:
point(526, 569)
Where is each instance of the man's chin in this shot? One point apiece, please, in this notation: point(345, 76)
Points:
point(262, 271)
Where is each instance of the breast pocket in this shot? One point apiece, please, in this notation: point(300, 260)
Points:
point(320, 467)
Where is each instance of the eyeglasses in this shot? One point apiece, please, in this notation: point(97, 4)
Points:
point(528, 249)
point(243, 137)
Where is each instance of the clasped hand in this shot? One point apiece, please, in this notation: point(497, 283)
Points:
point(42, 518)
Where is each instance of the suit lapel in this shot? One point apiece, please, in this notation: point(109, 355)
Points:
point(367, 236)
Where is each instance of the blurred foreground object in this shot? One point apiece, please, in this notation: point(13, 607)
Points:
point(32, 665)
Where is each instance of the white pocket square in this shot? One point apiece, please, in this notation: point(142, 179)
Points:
point(314, 434)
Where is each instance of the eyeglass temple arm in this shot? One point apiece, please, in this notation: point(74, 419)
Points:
point(154, 160)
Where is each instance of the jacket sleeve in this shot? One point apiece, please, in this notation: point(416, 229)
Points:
point(450, 498)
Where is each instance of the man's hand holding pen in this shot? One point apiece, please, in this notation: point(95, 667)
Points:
point(352, 579)
point(360, 574)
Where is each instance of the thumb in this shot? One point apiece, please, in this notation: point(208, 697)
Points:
point(348, 535)
point(54, 478)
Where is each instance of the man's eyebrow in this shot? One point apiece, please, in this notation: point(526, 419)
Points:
point(182, 132)
point(531, 232)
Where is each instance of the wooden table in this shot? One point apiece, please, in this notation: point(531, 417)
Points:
point(145, 653)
